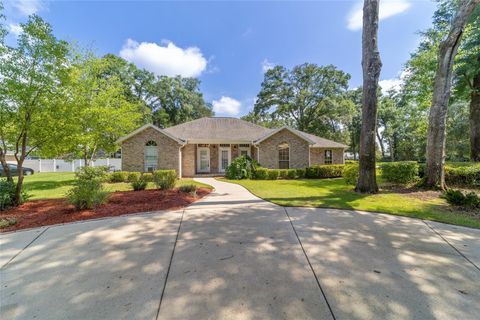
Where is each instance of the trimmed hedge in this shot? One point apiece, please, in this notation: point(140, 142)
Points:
point(468, 176)
point(350, 174)
point(325, 171)
point(400, 172)
point(138, 182)
point(261, 174)
point(165, 179)
point(272, 174)
point(118, 176)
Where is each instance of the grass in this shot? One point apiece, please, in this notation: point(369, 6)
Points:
point(335, 193)
point(56, 185)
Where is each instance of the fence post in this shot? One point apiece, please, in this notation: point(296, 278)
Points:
point(54, 165)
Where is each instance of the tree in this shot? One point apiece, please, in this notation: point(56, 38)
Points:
point(371, 65)
point(354, 126)
point(31, 77)
point(310, 98)
point(103, 112)
point(435, 175)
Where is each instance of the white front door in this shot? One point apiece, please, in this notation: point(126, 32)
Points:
point(203, 159)
point(224, 158)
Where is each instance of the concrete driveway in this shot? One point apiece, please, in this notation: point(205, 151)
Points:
point(234, 256)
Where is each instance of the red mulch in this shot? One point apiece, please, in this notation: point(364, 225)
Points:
point(53, 211)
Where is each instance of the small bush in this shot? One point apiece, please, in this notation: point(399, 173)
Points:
point(188, 188)
point(261, 173)
point(87, 191)
point(272, 174)
point(324, 171)
point(467, 176)
point(148, 176)
point(457, 198)
point(282, 173)
point(133, 176)
point(7, 194)
point(350, 174)
point(351, 162)
point(400, 172)
point(7, 222)
point(300, 173)
point(118, 176)
point(139, 182)
point(242, 167)
point(165, 179)
point(291, 174)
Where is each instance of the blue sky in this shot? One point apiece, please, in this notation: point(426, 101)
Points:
point(229, 45)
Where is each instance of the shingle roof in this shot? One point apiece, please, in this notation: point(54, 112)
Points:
point(230, 129)
point(217, 128)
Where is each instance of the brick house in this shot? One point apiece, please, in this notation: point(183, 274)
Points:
point(208, 145)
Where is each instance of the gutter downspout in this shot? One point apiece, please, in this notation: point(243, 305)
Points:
point(180, 160)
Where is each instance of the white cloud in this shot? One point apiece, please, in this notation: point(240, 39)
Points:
point(15, 29)
point(27, 7)
point(226, 106)
point(168, 60)
point(267, 65)
point(388, 8)
point(394, 83)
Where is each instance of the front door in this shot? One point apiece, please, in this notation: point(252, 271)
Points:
point(203, 159)
point(224, 157)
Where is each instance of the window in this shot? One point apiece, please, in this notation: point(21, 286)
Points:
point(283, 156)
point(244, 150)
point(151, 156)
point(328, 156)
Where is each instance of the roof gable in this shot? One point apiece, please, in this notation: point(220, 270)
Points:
point(143, 128)
point(295, 132)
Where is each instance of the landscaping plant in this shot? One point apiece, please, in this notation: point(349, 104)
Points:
point(350, 174)
point(165, 179)
point(189, 188)
point(457, 198)
point(119, 176)
point(7, 195)
point(261, 173)
point(138, 182)
point(242, 167)
point(324, 171)
point(87, 191)
point(400, 172)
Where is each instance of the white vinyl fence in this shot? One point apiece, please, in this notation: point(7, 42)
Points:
point(58, 165)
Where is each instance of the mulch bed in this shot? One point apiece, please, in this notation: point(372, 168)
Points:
point(39, 213)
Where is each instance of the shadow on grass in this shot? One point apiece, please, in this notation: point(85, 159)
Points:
point(47, 185)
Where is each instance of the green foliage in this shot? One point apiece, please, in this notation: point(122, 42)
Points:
point(133, 176)
point(291, 174)
point(165, 179)
point(7, 222)
point(300, 173)
point(273, 174)
point(261, 173)
point(242, 167)
point(350, 174)
point(282, 173)
point(119, 176)
point(87, 191)
point(188, 188)
point(400, 172)
point(138, 182)
point(466, 176)
point(457, 198)
point(324, 171)
point(7, 195)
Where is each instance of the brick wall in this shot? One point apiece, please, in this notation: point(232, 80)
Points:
point(133, 151)
point(317, 156)
point(299, 149)
point(189, 156)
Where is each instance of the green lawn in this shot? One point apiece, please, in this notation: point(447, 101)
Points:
point(56, 185)
point(334, 193)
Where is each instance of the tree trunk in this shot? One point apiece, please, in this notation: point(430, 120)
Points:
point(6, 169)
point(475, 120)
point(380, 142)
point(371, 65)
point(435, 174)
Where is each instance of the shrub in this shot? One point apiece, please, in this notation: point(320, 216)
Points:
point(189, 188)
point(87, 191)
point(7, 222)
point(138, 182)
point(468, 176)
point(300, 173)
point(291, 174)
point(272, 174)
point(282, 173)
point(148, 176)
point(242, 167)
point(350, 174)
point(133, 176)
point(400, 172)
point(324, 171)
point(421, 170)
point(165, 179)
point(7, 194)
point(118, 176)
point(261, 173)
point(457, 198)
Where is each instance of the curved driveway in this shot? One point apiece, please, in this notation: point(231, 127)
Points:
point(232, 255)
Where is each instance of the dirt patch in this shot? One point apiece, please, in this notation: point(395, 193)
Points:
point(411, 191)
point(39, 213)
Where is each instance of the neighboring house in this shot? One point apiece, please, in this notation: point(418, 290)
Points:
point(208, 145)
